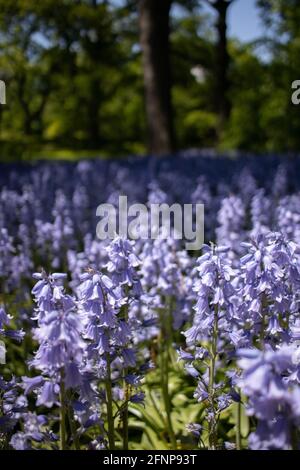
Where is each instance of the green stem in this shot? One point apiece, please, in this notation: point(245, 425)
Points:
point(264, 302)
point(238, 426)
point(294, 438)
point(73, 428)
point(109, 404)
point(63, 439)
point(166, 397)
point(126, 396)
point(212, 423)
point(165, 345)
point(125, 421)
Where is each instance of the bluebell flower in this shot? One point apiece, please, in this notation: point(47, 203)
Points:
point(195, 429)
point(272, 398)
point(137, 397)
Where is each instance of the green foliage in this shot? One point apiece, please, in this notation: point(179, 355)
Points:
point(150, 421)
point(74, 80)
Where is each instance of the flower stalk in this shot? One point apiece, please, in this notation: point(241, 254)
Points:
point(63, 434)
point(109, 406)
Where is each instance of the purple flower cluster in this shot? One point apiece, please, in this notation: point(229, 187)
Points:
point(84, 344)
point(60, 351)
point(274, 397)
point(105, 303)
point(269, 283)
point(254, 306)
point(81, 368)
point(12, 404)
point(207, 339)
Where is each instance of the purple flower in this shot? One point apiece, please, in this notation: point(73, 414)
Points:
point(137, 397)
point(194, 429)
point(5, 320)
point(272, 400)
point(48, 394)
point(31, 384)
point(123, 265)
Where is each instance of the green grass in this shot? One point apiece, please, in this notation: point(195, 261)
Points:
point(29, 150)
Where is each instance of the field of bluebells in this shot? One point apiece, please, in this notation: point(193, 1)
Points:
point(123, 345)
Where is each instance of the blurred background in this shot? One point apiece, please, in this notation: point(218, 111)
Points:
point(113, 78)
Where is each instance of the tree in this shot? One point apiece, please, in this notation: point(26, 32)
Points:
point(282, 122)
point(59, 52)
point(222, 62)
point(154, 18)
point(28, 65)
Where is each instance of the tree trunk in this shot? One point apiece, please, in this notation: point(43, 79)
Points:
point(93, 112)
point(222, 64)
point(27, 119)
point(154, 39)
